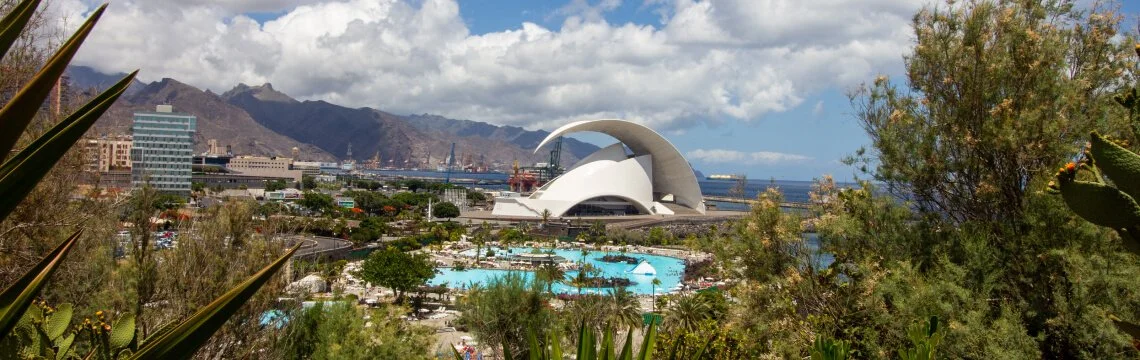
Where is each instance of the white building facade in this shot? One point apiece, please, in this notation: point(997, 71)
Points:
point(641, 174)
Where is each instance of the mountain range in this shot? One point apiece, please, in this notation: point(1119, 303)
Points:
point(259, 120)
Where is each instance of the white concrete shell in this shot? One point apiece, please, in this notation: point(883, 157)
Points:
point(655, 172)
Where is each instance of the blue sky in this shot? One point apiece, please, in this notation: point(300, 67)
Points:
point(739, 86)
point(826, 134)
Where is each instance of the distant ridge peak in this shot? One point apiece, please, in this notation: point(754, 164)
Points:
point(263, 92)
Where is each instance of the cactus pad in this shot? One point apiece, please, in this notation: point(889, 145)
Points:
point(1118, 164)
point(1101, 204)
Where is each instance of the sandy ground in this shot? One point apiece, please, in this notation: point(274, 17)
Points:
point(444, 340)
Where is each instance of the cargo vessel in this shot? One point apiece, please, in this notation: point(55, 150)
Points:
point(724, 177)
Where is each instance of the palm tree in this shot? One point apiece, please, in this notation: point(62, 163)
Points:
point(549, 274)
point(479, 239)
point(584, 272)
point(624, 308)
point(687, 312)
point(545, 216)
point(656, 282)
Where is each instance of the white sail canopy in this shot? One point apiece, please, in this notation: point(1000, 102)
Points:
point(644, 269)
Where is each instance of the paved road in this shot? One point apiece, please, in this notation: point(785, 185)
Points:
point(318, 244)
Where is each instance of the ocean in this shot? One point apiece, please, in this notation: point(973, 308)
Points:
point(794, 190)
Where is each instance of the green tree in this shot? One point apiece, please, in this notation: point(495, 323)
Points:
point(505, 309)
point(168, 201)
point(371, 202)
point(317, 202)
point(339, 330)
point(996, 93)
point(475, 196)
point(274, 185)
point(545, 216)
point(397, 270)
point(308, 182)
point(549, 274)
point(655, 282)
point(370, 229)
point(445, 210)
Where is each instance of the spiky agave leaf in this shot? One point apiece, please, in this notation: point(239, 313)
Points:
point(192, 333)
point(648, 344)
point(535, 350)
point(627, 349)
point(607, 352)
point(555, 342)
point(507, 351)
point(15, 299)
point(20, 174)
point(18, 113)
point(586, 349)
point(13, 24)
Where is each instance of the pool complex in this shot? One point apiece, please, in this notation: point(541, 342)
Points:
point(669, 271)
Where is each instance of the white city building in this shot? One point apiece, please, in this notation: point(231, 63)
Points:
point(641, 174)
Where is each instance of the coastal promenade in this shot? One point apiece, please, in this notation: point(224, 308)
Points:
point(736, 200)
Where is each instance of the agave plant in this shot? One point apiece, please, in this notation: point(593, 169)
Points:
point(924, 339)
point(588, 346)
point(20, 173)
point(825, 348)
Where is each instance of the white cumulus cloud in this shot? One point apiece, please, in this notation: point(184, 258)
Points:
point(707, 61)
point(721, 156)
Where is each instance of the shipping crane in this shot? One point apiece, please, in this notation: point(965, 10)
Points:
point(450, 164)
point(554, 167)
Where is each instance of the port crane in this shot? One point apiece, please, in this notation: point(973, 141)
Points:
point(450, 164)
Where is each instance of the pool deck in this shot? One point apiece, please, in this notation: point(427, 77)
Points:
point(450, 257)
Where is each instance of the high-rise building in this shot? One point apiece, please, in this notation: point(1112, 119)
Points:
point(163, 150)
point(109, 153)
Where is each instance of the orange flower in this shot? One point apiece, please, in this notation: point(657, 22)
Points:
point(1070, 167)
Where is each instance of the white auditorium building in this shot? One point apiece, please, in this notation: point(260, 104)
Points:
point(641, 174)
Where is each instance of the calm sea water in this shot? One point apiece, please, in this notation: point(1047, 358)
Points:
point(794, 191)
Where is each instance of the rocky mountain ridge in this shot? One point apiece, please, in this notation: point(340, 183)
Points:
point(260, 120)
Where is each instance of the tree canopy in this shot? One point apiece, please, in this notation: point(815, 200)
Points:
point(397, 270)
point(445, 210)
point(316, 201)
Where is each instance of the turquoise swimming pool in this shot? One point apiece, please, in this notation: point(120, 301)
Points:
point(669, 271)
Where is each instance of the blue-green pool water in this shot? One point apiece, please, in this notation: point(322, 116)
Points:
point(669, 271)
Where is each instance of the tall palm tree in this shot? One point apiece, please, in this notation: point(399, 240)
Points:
point(624, 309)
point(656, 282)
point(549, 274)
point(687, 312)
point(584, 272)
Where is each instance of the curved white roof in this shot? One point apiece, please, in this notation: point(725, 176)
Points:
point(672, 174)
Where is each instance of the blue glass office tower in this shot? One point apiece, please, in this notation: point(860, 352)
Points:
point(163, 150)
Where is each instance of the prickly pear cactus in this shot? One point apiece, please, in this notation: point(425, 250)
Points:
point(1110, 198)
point(45, 332)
